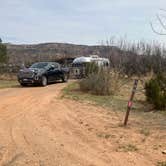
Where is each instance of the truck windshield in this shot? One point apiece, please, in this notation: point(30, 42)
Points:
point(39, 65)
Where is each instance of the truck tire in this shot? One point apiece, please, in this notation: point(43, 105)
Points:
point(65, 78)
point(23, 84)
point(44, 81)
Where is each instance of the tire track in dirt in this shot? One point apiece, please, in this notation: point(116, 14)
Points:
point(37, 127)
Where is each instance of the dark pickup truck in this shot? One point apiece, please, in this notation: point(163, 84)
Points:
point(43, 73)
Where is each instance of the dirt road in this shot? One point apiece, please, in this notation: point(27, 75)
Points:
point(39, 128)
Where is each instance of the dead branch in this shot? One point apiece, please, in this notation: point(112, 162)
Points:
point(160, 22)
point(155, 31)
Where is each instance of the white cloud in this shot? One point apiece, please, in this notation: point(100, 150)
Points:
point(78, 21)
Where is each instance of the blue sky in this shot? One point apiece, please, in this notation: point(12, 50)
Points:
point(78, 21)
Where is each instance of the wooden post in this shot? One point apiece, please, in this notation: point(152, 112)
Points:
point(130, 102)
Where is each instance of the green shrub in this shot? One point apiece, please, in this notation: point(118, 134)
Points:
point(3, 53)
point(156, 91)
point(99, 81)
point(91, 68)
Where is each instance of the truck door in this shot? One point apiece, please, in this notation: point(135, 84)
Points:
point(51, 73)
point(56, 73)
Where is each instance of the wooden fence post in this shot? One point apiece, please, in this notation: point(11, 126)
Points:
point(130, 102)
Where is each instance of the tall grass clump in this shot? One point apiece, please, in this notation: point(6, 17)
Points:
point(99, 81)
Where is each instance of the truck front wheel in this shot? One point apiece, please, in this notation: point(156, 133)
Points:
point(44, 81)
point(23, 84)
point(65, 78)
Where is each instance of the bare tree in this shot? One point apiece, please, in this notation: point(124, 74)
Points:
point(161, 22)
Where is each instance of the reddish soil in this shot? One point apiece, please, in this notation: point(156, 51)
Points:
point(39, 128)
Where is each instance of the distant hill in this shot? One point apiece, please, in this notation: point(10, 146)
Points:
point(54, 51)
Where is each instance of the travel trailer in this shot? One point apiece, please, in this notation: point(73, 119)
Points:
point(79, 64)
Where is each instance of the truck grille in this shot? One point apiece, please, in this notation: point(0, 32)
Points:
point(27, 74)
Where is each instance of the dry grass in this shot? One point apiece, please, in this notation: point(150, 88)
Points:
point(8, 83)
point(118, 103)
point(8, 80)
point(161, 163)
point(7, 76)
point(127, 148)
point(145, 132)
point(103, 82)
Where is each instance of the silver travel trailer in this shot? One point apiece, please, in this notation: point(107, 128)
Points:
point(79, 64)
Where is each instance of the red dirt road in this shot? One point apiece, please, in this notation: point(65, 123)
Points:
point(39, 128)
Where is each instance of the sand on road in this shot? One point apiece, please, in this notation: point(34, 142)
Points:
point(38, 127)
